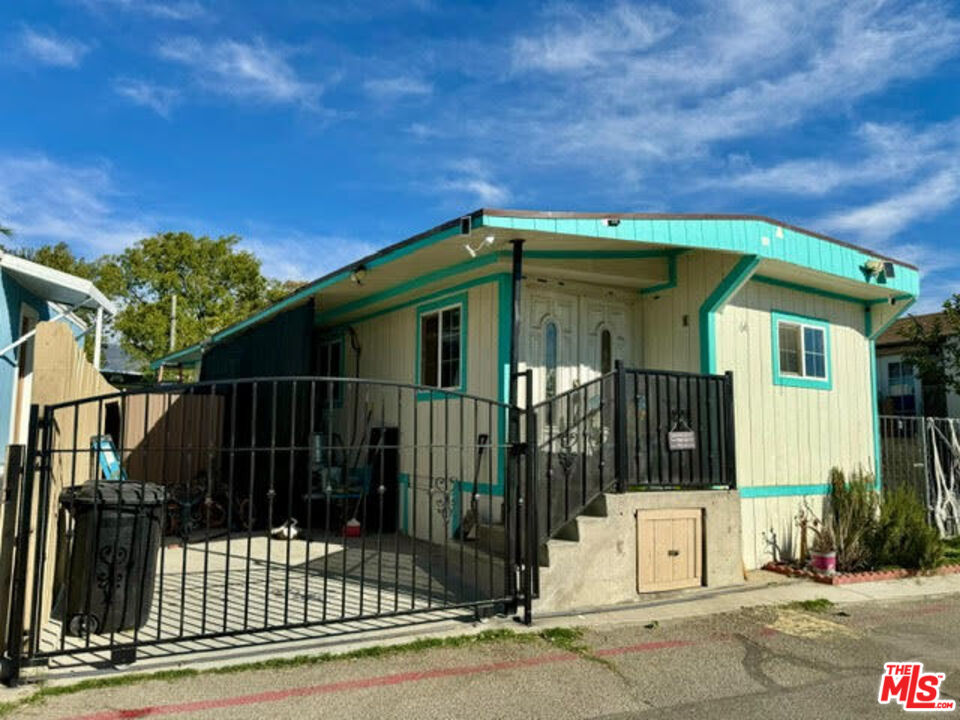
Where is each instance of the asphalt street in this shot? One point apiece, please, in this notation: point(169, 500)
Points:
point(763, 662)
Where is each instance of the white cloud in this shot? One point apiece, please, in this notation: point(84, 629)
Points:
point(49, 48)
point(248, 71)
point(876, 154)
point(293, 255)
point(47, 201)
point(886, 218)
point(636, 91)
point(175, 10)
point(158, 98)
point(580, 41)
point(397, 87)
point(471, 183)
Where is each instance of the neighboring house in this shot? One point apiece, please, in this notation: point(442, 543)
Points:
point(33, 293)
point(792, 314)
point(901, 391)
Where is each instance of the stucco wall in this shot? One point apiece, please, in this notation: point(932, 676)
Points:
point(601, 567)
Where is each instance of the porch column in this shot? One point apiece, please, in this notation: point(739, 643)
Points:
point(515, 324)
point(97, 337)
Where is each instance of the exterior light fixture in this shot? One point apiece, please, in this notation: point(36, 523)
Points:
point(873, 268)
point(358, 274)
point(486, 242)
point(611, 222)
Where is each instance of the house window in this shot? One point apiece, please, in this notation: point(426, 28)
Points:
point(606, 352)
point(901, 388)
point(442, 344)
point(801, 356)
point(550, 357)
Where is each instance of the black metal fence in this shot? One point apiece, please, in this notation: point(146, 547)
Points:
point(679, 430)
point(174, 516)
point(632, 429)
point(183, 514)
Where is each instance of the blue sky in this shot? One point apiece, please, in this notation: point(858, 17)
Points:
point(322, 131)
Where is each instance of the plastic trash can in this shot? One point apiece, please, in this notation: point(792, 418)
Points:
point(111, 558)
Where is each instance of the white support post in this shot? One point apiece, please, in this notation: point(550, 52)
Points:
point(97, 338)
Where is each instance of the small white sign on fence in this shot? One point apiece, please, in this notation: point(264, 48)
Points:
point(682, 440)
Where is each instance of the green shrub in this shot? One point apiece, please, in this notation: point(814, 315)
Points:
point(902, 537)
point(852, 515)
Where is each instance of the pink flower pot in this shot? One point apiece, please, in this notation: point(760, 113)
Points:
point(824, 562)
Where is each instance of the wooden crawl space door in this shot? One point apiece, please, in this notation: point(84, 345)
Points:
point(669, 549)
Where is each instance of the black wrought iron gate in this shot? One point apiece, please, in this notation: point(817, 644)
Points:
point(248, 511)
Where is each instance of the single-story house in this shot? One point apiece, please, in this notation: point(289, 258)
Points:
point(901, 391)
point(33, 293)
point(681, 300)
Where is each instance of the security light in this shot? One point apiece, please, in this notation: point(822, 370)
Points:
point(488, 240)
point(358, 274)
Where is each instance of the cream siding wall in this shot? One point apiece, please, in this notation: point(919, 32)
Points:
point(790, 436)
point(388, 352)
point(668, 343)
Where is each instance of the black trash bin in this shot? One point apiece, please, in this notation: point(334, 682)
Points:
point(112, 557)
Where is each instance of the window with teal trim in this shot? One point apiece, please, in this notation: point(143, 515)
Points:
point(801, 351)
point(441, 346)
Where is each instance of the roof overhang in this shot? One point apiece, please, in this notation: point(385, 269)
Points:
point(55, 286)
point(628, 250)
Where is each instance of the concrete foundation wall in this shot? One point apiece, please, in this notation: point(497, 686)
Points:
point(600, 567)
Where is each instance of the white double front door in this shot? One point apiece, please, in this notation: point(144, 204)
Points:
point(570, 337)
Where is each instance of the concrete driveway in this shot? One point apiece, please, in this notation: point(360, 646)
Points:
point(760, 662)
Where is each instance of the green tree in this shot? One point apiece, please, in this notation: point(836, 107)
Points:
point(934, 355)
point(215, 283)
point(61, 257)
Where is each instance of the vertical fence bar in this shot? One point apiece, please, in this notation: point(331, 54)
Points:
point(530, 552)
point(43, 519)
point(621, 461)
point(19, 594)
point(728, 432)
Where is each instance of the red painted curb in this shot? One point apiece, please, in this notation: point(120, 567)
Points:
point(380, 681)
point(857, 577)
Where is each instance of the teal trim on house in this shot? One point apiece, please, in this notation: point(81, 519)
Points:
point(412, 285)
point(671, 275)
point(763, 237)
point(504, 335)
point(872, 336)
point(593, 254)
point(807, 289)
point(768, 491)
point(466, 285)
point(461, 299)
point(491, 259)
point(388, 255)
point(752, 236)
point(727, 288)
point(813, 383)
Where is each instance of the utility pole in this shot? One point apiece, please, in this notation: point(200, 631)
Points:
point(173, 322)
point(97, 338)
